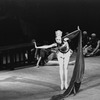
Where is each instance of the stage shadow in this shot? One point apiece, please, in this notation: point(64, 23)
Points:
point(90, 82)
point(9, 92)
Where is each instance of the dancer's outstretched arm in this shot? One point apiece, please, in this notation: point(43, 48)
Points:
point(45, 46)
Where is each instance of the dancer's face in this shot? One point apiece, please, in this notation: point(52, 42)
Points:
point(58, 40)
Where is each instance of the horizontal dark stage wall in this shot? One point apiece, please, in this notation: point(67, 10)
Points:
point(26, 19)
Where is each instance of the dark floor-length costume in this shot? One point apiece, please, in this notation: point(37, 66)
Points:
point(78, 71)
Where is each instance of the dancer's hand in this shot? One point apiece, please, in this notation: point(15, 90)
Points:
point(78, 28)
point(54, 45)
point(35, 44)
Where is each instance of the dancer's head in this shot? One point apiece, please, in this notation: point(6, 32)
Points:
point(33, 40)
point(93, 35)
point(58, 34)
point(84, 32)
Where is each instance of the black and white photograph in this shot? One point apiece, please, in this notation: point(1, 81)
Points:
point(49, 50)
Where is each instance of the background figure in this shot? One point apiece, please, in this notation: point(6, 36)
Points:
point(93, 46)
point(85, 38)
point(42, 57)
point(63, 52)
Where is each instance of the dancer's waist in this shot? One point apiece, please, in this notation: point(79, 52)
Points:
point(63, 51)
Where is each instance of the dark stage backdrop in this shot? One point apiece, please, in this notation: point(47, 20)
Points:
point(23, 20)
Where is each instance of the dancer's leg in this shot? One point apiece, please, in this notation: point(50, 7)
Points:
point(38, 62)
point(66, 61)
point(50, 57)
point(60, 60)
point(26, 55)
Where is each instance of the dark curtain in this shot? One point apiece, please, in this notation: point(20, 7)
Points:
point(27, 29)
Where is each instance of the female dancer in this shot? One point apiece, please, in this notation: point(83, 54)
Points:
point(63, 56)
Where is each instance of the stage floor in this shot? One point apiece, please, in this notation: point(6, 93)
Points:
point(42, 83)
